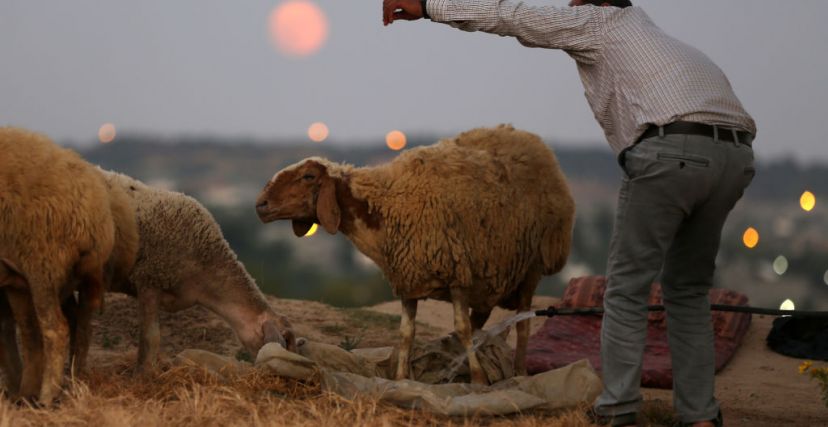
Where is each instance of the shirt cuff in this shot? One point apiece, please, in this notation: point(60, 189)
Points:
point(462, 10)
point(437, 7)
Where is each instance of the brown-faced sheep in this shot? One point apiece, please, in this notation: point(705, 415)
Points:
point(55, 225)
point(476, 220)
point(184, 260)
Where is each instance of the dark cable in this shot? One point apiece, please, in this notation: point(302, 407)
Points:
point(562, 311)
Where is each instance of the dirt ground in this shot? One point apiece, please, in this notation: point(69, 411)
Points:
point(757, 388)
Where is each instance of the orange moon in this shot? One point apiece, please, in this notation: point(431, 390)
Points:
point(395, 140)
point(298, 27)
point(318, 132)
point(106, 133)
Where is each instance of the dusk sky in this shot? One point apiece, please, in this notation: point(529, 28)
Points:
point(211, 68)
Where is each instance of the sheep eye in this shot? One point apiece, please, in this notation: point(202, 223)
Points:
point(308, 177)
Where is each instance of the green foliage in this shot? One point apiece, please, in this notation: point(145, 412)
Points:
point(350, 343)
point(820, 375)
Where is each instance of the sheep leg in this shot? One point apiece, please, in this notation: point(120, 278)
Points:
point(150, 342)
point(462, 325)
point(12, 367)
point(70, 311)
point(54, 332)
point(407, 330)
point(30, 340)
point(90, 298)
point(526, 291)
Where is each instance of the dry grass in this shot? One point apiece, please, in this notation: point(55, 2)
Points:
point(179, 395)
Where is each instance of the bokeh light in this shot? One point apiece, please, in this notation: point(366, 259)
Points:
point(318, 132)
point(106, 133)
point(780, 265)
point(298, 27)
point(395, 140)
point(825, 277)
point(751, 237)
point(312, 230)
point(787, 305)
point(807, 201)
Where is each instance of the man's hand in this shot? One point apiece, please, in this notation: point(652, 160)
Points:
point(409, 10)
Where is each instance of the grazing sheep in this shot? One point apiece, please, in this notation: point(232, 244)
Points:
point(56, 229)
point(475, 220)
point(184, 260)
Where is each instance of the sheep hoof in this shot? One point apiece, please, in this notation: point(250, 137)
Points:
point(479, 378)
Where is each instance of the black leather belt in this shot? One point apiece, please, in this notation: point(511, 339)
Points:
point(692, 128)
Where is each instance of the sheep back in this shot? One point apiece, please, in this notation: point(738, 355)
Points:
point(180, 240)
point(53, 209)
point(477, 210)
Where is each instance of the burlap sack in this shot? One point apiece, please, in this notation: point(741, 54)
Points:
point(361, 373)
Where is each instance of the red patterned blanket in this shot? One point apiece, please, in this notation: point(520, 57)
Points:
point(565, 339)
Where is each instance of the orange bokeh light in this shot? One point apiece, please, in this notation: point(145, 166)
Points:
point(298, 27)
point(395, 140)
point(751, 237)
point(106, 133)
point(318, 132)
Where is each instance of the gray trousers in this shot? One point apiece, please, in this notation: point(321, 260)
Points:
point(675, 197)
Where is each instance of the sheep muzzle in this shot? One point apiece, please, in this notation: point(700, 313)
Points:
point(265, 212)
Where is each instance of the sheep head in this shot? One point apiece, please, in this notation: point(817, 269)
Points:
point(305, 193)
point(279, 330)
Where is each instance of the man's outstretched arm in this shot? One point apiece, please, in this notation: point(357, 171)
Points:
point(570, 28)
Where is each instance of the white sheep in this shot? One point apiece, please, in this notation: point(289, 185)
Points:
point(476, 220)
point(184, 260)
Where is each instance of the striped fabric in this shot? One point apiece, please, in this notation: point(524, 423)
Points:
point(634, 74)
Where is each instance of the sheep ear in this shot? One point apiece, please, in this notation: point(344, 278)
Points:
point(327, 209)
point(300, 228)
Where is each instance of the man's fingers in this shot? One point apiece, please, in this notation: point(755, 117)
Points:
point(388, 8)
point(408, 10)
point(405, 15)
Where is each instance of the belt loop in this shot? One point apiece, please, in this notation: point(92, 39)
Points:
point(661, 131)
point(715, 133)
point(735, 136)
